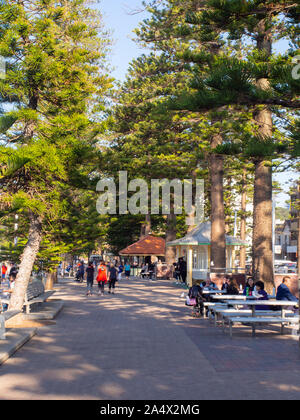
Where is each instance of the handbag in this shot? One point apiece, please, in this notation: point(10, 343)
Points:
point(191, 301)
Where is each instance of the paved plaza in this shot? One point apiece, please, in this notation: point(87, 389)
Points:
point(142, 344)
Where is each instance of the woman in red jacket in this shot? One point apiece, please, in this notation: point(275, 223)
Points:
point(102, 278)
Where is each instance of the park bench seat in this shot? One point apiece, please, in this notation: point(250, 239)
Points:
point(5, 316)
point(230, 313)
point(243, 312)
point(210, 306)
point(221, 313)
point(258, 320)
point(36, 294)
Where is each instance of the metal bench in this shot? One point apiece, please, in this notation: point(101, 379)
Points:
point(221, 314)
point(210, 306)
point(36, 294)
point(5, 316)
point(253, 321)
point(226, 313)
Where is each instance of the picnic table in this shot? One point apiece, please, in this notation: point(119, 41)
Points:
point(234, 297)
point(254, 302)
point(256, 318)
point(214, 292)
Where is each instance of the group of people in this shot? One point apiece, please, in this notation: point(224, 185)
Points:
point(103, 274)
point(148, 270)
point(256, 289)
point(8, 273)
point(8, 277)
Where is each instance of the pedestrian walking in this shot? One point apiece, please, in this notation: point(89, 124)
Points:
point(3, 271)
point(182, 269)
point(120, 271)
point(112, 278)
point(90, 271)
point(176, 271)
point(81, 272)
point(102, 278)
point(127, 270)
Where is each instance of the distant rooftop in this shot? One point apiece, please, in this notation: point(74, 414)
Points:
point(150, 245)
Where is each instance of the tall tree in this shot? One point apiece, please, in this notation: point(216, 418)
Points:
point(55, 55)
point(149, 141)
point(263, 81)
point(175, 27)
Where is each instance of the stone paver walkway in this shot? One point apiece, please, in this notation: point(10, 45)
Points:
point(142, 344)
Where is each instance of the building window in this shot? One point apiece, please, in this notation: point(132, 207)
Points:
point(200, 258)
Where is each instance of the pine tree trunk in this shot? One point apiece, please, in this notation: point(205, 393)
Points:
point(146, 227)
point(27, 262)
point(262, 225)
point(243, 222)
point(262, 207)
point(191, 215)
point(171, 236)
point(218, 238)
point(262, 251)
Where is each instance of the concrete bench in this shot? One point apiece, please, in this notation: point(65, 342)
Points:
point(5, 316)
point(36, 294)
point(253, 321)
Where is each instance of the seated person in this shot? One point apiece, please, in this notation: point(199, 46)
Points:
point(210, 285)
point(283, 291)
point(232, 288)
point(151, 270)
point(261, 294)
point(144, 270)
point(250, 286)
point(226, 282)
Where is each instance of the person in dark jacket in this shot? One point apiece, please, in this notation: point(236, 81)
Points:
point(13, 273)
point(182, 270)
point(226, 283)
point(232, 288)
point(283, 291)
point(90, 272)
point(263, 295)
point(196, 291)
point(176, 271)
point(112, 278)
point(80, 272)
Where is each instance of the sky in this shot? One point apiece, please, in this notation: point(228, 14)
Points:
point(119, 19)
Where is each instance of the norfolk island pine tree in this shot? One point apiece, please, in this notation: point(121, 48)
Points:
point(53, 77)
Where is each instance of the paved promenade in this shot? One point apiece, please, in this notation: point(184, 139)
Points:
point(143, 344)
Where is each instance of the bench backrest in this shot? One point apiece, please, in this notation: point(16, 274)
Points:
point(9, 314)
point(34, 289)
